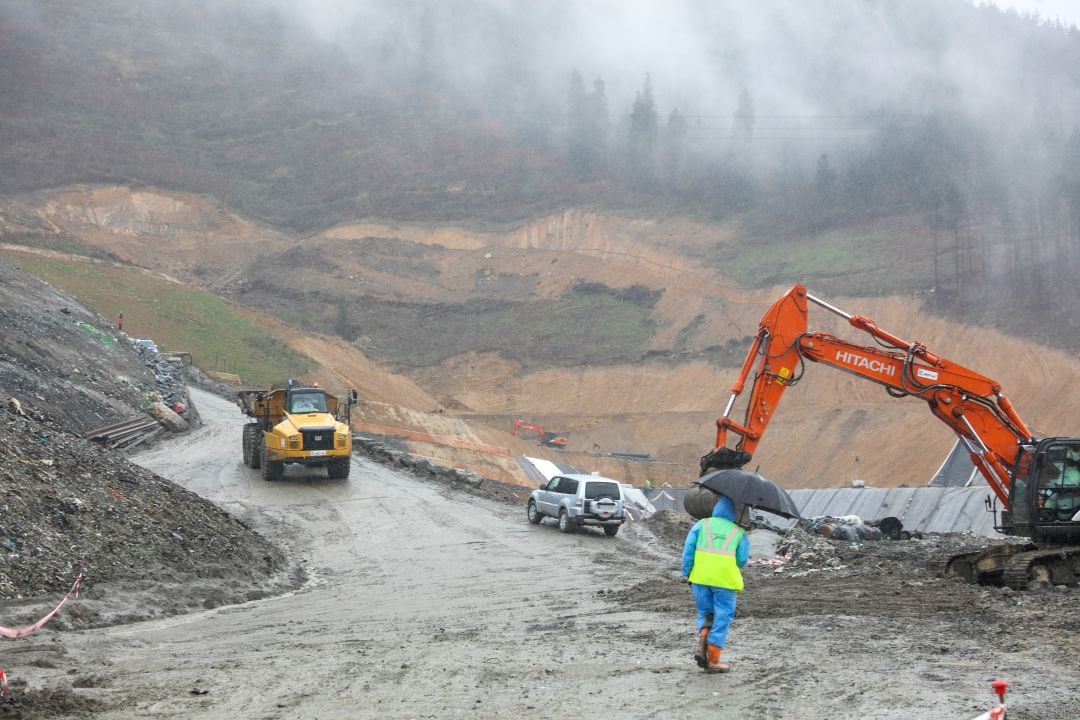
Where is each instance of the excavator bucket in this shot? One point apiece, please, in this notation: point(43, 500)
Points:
point(724, 459)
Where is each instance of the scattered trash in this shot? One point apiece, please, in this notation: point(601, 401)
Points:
point(847, 527)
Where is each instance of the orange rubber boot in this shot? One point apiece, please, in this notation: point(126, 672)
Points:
point(700, 656)
point(714, 665)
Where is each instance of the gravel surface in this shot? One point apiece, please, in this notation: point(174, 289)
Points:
point(425, 602)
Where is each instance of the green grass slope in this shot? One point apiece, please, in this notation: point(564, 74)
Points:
point(219, 335)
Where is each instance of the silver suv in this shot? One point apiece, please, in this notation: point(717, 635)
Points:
point(578, 500)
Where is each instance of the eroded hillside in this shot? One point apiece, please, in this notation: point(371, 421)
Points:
point(610, 330)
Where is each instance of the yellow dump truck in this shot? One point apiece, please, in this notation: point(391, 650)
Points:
point(302, 425)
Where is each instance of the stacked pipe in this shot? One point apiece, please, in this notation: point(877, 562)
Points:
point(127, 434)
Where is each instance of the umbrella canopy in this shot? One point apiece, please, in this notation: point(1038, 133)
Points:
point(749, 488)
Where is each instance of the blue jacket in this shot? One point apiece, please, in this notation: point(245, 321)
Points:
point(724, 508)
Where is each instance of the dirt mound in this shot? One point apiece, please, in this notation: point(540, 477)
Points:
point(70, 506)
point(670, 528)
point(73, 507)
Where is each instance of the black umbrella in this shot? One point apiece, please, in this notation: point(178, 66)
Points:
point(749, 488)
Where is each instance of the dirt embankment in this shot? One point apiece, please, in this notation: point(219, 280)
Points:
point(70, 506)
point(65, 359)
point(664, 407)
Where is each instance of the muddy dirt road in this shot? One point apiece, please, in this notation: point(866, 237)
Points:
point(423, 603)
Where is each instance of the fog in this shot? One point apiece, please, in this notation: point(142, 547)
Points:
point(798, 59)
point(821, 112)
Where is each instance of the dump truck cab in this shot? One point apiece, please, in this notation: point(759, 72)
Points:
point(306, 400)
point(297, 425)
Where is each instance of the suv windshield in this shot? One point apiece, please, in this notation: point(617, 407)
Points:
point(597, 490)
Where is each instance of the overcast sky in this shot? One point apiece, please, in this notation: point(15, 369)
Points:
point(1068, 11)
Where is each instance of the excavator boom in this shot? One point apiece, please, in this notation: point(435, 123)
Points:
point(971, 404)
point(1037, 480)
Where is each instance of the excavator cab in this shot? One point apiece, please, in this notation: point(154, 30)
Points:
point(1044, 496)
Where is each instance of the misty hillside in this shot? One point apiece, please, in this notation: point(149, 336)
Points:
point(931, 137)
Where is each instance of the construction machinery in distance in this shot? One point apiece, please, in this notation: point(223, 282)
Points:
point(1036, 480)
point(298, 425)
point(547, 439)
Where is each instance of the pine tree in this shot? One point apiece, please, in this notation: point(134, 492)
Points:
point(577, 127)
point(644, 128)
point(674, 148)
point(598, 129)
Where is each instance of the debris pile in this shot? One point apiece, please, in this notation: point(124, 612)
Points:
point(169, 381)
point(847, 527)
point(67, 506)
point(803, 552)
point(65, 359)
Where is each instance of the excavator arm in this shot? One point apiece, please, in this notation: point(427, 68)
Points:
point(972, 405)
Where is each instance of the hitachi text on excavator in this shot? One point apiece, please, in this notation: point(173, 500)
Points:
point(1035, 480)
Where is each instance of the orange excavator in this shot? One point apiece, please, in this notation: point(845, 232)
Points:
point(1036, 480)
point(548, 439)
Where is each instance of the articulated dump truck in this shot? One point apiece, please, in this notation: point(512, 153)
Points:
point(302, 425)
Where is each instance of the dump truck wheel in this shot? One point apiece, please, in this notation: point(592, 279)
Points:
point(257, 443)
point(271, 469)
point(251, 455)
point(338, 469)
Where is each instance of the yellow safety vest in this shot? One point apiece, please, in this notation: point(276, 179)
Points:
point(714, 556)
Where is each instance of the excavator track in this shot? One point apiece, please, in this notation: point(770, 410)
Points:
point(986, 566)
point(1056, 566)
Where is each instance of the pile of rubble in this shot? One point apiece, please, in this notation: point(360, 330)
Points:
point(68, 506)
point(168, 381)
point(801, 552)
point(65, 359)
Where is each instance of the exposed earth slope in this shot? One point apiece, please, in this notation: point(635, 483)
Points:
point(606, 329)
point(70, 506)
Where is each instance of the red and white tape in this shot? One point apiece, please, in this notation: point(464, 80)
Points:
point(3, 684)
point(995, 713)
point(30, 629)
point(998, 711)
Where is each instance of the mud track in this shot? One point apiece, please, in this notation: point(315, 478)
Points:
point(422, 603)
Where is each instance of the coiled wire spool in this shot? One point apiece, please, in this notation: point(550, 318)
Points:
point(699, 502)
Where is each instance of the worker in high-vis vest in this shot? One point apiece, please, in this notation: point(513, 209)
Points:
point(714, 551)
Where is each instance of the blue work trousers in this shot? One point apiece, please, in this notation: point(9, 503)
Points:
point(718, 602)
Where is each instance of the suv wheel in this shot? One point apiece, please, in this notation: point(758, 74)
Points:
point(564, 522)
point(534, 515)
point(611, 530)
